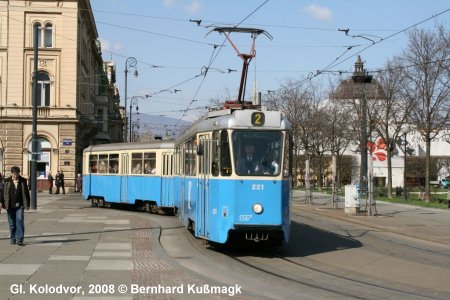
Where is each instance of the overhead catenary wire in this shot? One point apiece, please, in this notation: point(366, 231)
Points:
point(213, 58)
point(335, 63)
point(329, 67)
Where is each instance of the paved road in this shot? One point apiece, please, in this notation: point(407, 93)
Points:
point(424, 223)
point(74, 251)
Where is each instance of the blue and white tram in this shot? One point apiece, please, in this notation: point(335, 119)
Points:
point(139, 174)
point(221, 195)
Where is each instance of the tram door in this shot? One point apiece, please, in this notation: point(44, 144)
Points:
point(124, 167)
point(204, 153)
point(167, 180)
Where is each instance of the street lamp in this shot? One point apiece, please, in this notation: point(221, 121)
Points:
point(134, 101)
point(131, 62)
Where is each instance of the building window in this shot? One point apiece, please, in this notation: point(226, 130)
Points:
point(43, 89)
point(48, 35)
point(44, 34)
point(43, 166)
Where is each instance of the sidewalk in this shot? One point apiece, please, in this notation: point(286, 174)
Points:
point(424, 223)
point(75, 251)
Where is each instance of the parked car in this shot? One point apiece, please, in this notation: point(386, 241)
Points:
point(443, 183)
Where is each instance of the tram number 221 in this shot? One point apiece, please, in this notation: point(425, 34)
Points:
point(257, 187)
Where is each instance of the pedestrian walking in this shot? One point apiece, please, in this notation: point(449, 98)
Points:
point(15, 199)
point(79, 183)
point(50, 183)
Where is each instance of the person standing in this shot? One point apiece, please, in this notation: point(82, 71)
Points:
point(79, 183)
point(61, 181)
point(15, 199)
point(57, 182)
point(1, 183)
point(50, 183)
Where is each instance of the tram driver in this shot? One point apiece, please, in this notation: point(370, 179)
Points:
point(248, 164)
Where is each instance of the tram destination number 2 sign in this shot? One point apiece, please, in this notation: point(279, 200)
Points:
point(258, 119)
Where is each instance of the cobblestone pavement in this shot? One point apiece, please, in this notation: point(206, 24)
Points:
point(75, 251)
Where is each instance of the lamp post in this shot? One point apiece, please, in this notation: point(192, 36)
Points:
point(131, 62)
point(133, 101)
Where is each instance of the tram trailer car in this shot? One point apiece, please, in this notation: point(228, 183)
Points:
point(221, 196)
point(139, 174)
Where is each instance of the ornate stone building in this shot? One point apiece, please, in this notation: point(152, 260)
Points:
point(77, 101)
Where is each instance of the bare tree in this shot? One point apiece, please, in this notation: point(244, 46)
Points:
point(300, 102)
point(296, 99)
point(389, 114)
point(339, 133)
point(427, 86)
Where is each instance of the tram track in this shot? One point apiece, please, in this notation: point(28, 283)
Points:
point(438, 252)
point(302, 273)
point(274, 266)
point(341, 286)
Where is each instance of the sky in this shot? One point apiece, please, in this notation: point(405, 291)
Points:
point(173, 44)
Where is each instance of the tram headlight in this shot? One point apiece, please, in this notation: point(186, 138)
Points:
point(257, 208)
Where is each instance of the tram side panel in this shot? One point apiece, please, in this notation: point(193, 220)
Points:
point(188, 201)
point(145, 188)
point(102, 186)
point(222, 204)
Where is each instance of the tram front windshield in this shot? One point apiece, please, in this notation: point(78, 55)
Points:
point(257, 153)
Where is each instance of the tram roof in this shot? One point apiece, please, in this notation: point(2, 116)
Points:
point(237, 119)
point(130, 146)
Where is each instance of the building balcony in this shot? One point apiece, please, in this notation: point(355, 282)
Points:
point(26, 112)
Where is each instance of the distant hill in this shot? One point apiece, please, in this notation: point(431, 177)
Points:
point(155, 125)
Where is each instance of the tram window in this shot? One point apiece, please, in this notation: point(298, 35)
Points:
point(178, 161)
point(215, 154)
point(190, 157)
point(102, 163)
point(93, 162)
point(193, 155)
point(225, 157)
point(257, 153)
point(187, 168)
point(177, 158)
point(114, 163)
point(150, 163)
point(136, 163)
